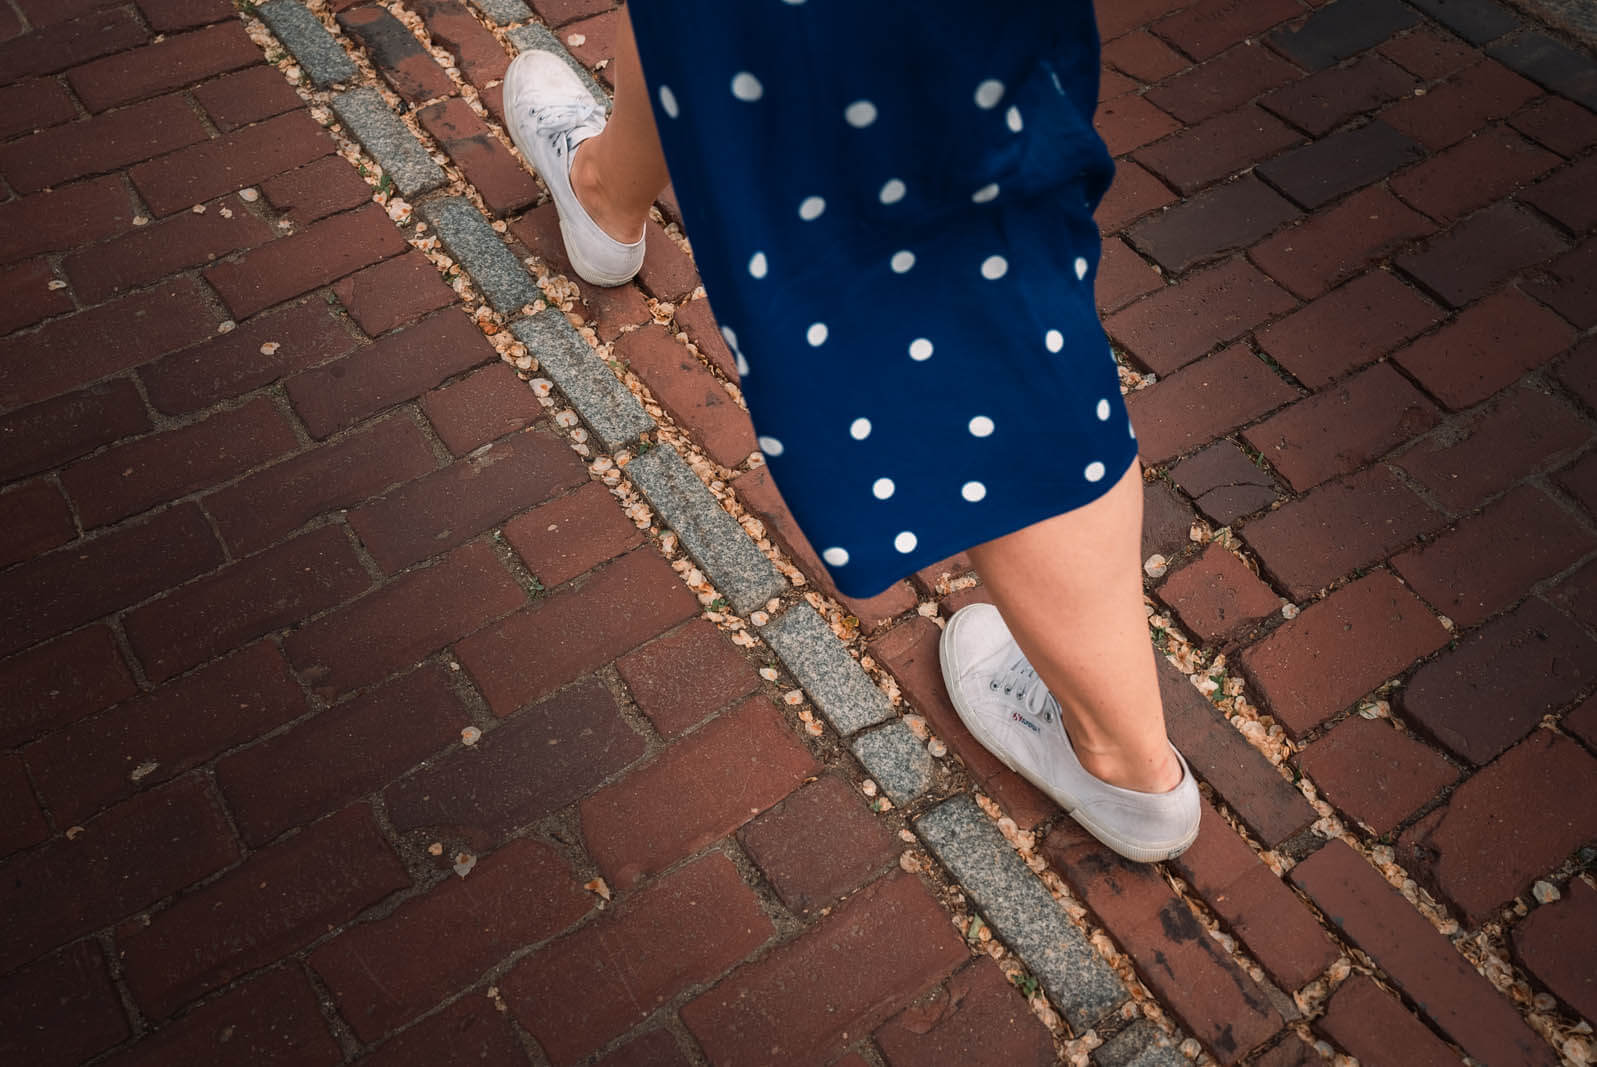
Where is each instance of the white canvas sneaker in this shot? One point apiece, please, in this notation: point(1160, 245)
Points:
point(1010, 711)
point(549, 112)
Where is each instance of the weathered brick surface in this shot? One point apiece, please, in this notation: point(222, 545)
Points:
point(278, 900)
point(205, 171)
point(480, 57)
point(1230, 79)
point(152, 252)
point(59, 682)
point(1375, 1027)
point(1325, 100)
point(471, 1030)
point(680, 678)
point(1354, 324)
point(103, 143)
point(1216, 595)
point(1130, 121)
point(977, 1017)
point(700, 789)
point(1213, 999)
point(1336, 31)
point(136, 853)
point(818, 844)
point(25, 825)
point(1450, 112)
point(1374, 773)
point(480, 408)
point(61, 1010)
point(1209, 27)
point(1180, 323)
point(1542, 943)
point(538, 762)
point(35, 518)
point(396, 53)
point(572, 534)
point(1429, 52)
point(1134, 193)
point(1527, 811)
point(1566, 285)
point(1217, 148)
point(1225, 483)
point(1562, 195)
point(320, 254)
point(393, 292)
point(320, 188)
point(1560, 124)
point(1123, 275)
point(1478, 254)
point(577, 629)
point(1334, 166)
point(657, 1048)
point(56, 431)
point(169, 15)
point(449, 506)
point(168, 64)
point(34, 104)
point(405, 620)
point(887, 943)
point(682, 384)
point(522, 894)
point(33, 299)
point(506, 186)
point(1143, 56)
point(686, 928)
point(1339, 649)
point(248, 96)
point(93, 762)
point(1228, 216)
point(1473, 173)
point(1420, 961)
point(1203, 401)
point(66, 44)
point(1334, 243)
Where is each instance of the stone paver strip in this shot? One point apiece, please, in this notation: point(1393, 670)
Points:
point(834, 680)
point(468, 237)
point(897, 760)
point(606, 405)
point(388, 140)
point(503, 12)
point(304, 35)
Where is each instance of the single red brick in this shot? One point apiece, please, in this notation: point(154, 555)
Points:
point(1133, 193)
point(558, 12)
point(96, 145)
point(65, 44)
point(1128, 122)
point(572, 534)
point(1181, 963)
point(277, 901)
point(100, 342)
point(1123, 276)
point(482, 407)
point(1450, 112)
point(394, 292)
point(24, 826)
point(1278, 930)
point(1328, 98)
point(1310, 542)
point(657, 1048)
point(1224, 483)
point(684, 929)
point(79, 583)
point(695, 319)
point(396, 54)
point(819, 844)
point(321, 253)
point(56, 431)
point(144, 849)
point(64, 218)
point(404, 621)
point(100, 760)
point(1348, 327)
point(1543, 943)
point(1179, 323)
point(1429, 52)
point(693, 396)
point(248, 96)
point(1222, 218)
point(1227, 81)
point(320, 188)
point(1338, 241)
point(170, 63)
point(1343, 427)
point(169, 15)
point(1116, 17)
point(1209, 27)
point(449, 506)
point(536, 763)
point(506, 186)
point(976, 1017)
point(682, 677)
point(1560, 124)
point(525, 893)
point(667, 272)
point(34, 104)
point(343, 753)
point(259, 509)
point(1563, 196)
point(1420, 961)
point(1144, 57)
point(909, 650)
point(131, 477)
point(697, 791)
point(1217, 148)
point(397, 368)
point(232, 161)
point(1480, 253)
point(1374, 773)
point(478, 54)
point(58, 683)
point(272, 1019)
point(1373, 1026)
point(152, 252)
point(62, 1010)
point(931, 576)
point(1473, 173)
point(1216, 595)
point(618, 608)
point(1339, 649)
point(35, 518)
point(1203, 401)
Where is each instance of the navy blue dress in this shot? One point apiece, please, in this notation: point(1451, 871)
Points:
point(891, 209)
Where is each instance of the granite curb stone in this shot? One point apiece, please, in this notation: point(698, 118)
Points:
point(897, 760)
point(365, 114)
point(536, 38)
point(838, 685)
point(712, 537)
point(1022, 912)
point(1141, 1044)
point(468, 237)
point(501, 12)
point(606, 405)
point(303, 34)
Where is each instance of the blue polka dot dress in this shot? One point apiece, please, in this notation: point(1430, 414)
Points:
point(891, 208)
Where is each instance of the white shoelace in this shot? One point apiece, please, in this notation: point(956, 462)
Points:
point(557, 122)
point(1020, 679)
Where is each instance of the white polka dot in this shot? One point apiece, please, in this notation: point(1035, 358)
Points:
point(743, 365)
point(905, 542)
point(1094, 472)
point(835, 557)
point(816, 334)
point(757, 265)
point(1054, 340)
point(892, 192)
point(988, 93)
point(973, 491)
point(985, 193)
point(747, 87)
point(902, 261)
point(668, 102)
point(860, 114)
point(920, 349)
point(882, 488)
point(770, 446)
point(1081, 268)
point(981, 426)
point(811, 208)
point(731, 338)
point(859, 429)
point(1103, 410)
point(1012, 118)
point(994, 267)
point(1132, 430)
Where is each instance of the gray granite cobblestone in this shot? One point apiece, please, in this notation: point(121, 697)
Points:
point(495, 270)
point(834, 680)
point(503, 12)
point(1139, 1045)
point(316, 51)
point(897, 760)
point(605, 404)
point(366, 116)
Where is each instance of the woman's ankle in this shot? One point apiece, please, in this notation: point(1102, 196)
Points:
point(1145, 772)
point(622, 223)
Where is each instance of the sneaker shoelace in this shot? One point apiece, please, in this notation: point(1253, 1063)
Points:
point(1020, 680)
point(557, 122)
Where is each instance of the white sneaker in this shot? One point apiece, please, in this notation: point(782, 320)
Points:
point(1007, 707)
point(549, 112)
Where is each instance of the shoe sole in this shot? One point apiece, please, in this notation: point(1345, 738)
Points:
point(1131, 850)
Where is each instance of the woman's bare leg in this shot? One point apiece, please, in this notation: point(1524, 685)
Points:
point(1070, 590)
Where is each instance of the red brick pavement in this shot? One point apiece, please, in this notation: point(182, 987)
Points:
point(306, 605)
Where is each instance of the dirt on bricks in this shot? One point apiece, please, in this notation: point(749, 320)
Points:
point(355, 706)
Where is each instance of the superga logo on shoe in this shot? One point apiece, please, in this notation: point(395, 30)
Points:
point(1027, 723)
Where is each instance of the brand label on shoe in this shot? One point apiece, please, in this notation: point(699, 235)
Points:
point(1027, 723)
